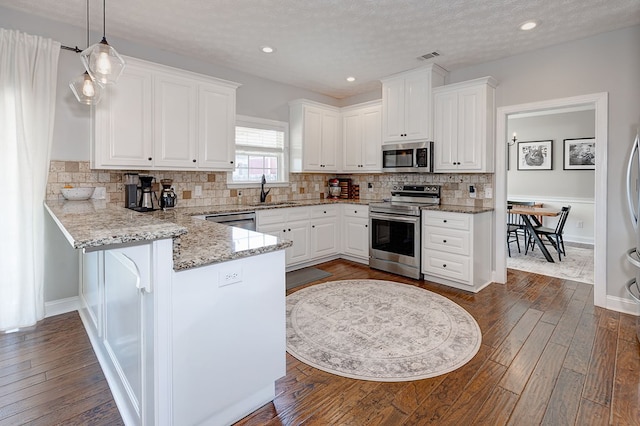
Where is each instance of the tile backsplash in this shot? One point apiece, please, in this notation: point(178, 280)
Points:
point(302, 186)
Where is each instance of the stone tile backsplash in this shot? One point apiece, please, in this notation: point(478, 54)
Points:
point(455, 187)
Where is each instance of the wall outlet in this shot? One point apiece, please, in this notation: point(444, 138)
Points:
point(472, 191)
point(317, 187)
point(488, 192)
point(229, 276)
point(294, 187)
point(198, 191)
point(579, 224)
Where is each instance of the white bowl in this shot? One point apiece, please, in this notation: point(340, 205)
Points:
point(78, 194)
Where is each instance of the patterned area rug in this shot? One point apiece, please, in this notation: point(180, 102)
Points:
point(576, 266)
point(379, 330)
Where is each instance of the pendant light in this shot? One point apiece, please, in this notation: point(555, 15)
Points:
point(86, 90)
point(101, 60)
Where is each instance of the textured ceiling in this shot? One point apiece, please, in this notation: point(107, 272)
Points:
point(321, 42)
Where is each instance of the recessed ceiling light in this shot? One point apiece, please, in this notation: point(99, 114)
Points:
point(267, 49)
point(351, 79)
point(529, 25)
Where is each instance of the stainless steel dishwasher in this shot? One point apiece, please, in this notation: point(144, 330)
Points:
point(244, 220)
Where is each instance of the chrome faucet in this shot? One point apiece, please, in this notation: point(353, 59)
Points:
point(263, 195)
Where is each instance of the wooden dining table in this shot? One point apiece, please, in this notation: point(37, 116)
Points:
point(530, 218)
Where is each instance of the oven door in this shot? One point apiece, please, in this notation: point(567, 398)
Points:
point(395, 238)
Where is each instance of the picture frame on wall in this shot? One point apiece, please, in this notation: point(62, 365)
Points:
point(535, 155)
point(579, 154)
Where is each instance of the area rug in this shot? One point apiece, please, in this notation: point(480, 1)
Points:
point(304, 276)
point(379, 330)
point(576, 266)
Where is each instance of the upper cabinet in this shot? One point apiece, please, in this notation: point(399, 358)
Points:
point(159, 117)
point(464, 116)
point(406, 104)
point(362, 137)
point(314, 136)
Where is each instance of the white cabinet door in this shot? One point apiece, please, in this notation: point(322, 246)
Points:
point(324, 237)
point(122, 124)
point(312, 140)
point(464, 126)
point(372, 139)
point(417, 96)
point(315, 135)
point(362, 139)
point(299, 234)
point(356, 236)
point(216, 127)
point(175, 121)
point(330, 139)
point(91, 288)
point(393, 106)
point(125, 283)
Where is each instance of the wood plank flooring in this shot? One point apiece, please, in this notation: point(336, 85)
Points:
point(548, 357)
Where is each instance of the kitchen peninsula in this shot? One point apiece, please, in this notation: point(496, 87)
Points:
point(186, 316)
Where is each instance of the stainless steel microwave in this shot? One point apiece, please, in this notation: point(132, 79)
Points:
point(408, 157)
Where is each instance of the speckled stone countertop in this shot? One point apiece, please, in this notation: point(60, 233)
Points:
point(196, 242)
point(459, 209)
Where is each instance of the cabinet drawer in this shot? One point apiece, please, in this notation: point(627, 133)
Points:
point(460, 221)
point(297, 213)
point(448, 240)
point(446, 265)
point(356, 211)
point(324, 211)
point(269, 217)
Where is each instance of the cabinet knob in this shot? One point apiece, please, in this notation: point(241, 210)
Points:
point(355, 211)
point(289, 229)
point(445, 221)
point(325, 212)
point(150, 158)
point(284, 230)
point(444, 241)
point(231, 161)
point(366, 226)
point(444, 266)
point(194, 160)
point(313, 226)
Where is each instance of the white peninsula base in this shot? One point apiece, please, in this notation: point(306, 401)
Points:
point(198, 346)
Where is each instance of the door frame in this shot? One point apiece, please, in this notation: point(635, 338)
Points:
point(600, 102)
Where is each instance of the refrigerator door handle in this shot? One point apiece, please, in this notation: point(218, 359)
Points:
point(630, 193)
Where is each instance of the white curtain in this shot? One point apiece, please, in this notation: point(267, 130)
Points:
point(28, 71)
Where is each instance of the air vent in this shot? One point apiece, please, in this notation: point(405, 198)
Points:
point(429, 55)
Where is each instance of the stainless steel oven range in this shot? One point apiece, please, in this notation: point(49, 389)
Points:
point(394, 240)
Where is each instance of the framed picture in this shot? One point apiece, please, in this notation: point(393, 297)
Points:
point(580, 154)
point(536, 155)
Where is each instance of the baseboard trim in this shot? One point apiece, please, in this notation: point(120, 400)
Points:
point(61, 306)
point(625, 306)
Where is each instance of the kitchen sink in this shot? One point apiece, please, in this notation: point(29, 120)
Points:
point(281, 203)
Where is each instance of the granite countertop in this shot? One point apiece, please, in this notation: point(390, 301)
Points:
point(93, 223)
point(196, 242)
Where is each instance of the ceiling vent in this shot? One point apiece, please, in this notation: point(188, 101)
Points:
point(430, 55)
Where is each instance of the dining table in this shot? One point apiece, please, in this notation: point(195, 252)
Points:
point(530, 217)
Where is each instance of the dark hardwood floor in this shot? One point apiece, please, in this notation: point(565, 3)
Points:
point(548, 357)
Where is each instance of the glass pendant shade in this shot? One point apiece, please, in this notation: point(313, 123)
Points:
point(102, 62)
point(86, 90)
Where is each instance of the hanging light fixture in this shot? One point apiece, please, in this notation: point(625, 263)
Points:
point(86, 90)
point(102, 62)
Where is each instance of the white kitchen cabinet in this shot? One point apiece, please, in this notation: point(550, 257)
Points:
point(355, 234)
point(325, 225)
point(362, 138)
point(216, 127)
point(121, 124)
point(456, 249)
point(406, 104)
point(314, 136)
point(91, 287)
point(464, 116)
point(175, 121)
point(163, 118)
point(292, 224)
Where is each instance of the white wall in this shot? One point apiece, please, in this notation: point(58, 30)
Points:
point(605, 63)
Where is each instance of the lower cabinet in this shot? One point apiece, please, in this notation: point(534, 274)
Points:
point(325, 223)
point(456, 249)
point(355, 231)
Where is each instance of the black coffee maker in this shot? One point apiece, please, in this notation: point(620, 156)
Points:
point(148, 198)
point(168, 198)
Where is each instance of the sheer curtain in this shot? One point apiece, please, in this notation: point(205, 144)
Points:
point(28, 70)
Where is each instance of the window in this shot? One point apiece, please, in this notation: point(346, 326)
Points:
point(261, 148)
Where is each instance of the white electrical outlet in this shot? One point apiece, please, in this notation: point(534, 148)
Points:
point(472, 191)
point(198, 191)
point(488, 192)
point(294, 187)
point(229, 276)
point(579, 224)
point(317, 187)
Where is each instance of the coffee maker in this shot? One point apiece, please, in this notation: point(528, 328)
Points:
point(147, 195)
point(168, 198)
point(131, 190)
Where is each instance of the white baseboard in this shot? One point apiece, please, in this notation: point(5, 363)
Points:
point(625, 306)
point(61, 306)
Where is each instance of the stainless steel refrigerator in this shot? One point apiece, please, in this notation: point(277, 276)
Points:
point(633, 199)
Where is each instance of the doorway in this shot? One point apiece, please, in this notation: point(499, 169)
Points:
point(599, 102)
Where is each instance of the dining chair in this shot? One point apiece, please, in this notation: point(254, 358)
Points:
point(513, 226)
point(552, 234)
